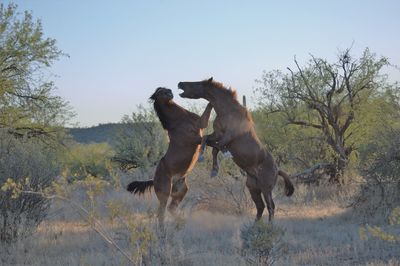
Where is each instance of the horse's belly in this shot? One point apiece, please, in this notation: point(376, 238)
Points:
point(181, 161)
point(246, 153)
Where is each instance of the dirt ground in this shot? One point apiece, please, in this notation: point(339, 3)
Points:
point(317, 232)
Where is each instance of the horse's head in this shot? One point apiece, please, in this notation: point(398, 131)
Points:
point(194, 90)
point(162, 94)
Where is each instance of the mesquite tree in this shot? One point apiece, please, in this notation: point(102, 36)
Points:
point(28, 106)
point(326, 97)
point(143, 142)
point(29, 112)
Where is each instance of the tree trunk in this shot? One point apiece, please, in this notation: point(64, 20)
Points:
point(338, 175)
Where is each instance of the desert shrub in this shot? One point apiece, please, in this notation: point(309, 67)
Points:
point(85, 198)
point(32, 165)
point(380, 192)
point(261, 243)
point(226, 193)
point(233, 182)
point(92, 159)
point(32, 118)
point(165, 248)
point(144, 144)
point(368, 231)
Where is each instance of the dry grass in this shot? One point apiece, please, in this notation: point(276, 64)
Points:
point(319, 230)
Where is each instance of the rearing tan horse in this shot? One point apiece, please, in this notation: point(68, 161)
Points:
point(185, 131)
point(234, 130)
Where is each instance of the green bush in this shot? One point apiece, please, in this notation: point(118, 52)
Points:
point(93, 159)
point(261, 243)
point(144, 144)
point(33, 166)
point(380, 193)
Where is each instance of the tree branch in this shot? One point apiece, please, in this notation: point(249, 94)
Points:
point(304, 123)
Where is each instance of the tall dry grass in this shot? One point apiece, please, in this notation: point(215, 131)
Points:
point(318, 230)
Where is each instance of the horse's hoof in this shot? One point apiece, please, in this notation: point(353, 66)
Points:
point(227, 155)
point(214, 173)
point(201, 158)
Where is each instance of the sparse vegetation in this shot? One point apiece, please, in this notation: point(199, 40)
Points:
point(329, 104)
point(261, 243)
point(381, 170)
point(88, 159)
point(31, 165)
point(28, 106)
point(142, 146)
point(335, 126)
point(31, 120)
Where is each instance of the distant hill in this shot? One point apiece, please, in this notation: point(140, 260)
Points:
point(101, 133)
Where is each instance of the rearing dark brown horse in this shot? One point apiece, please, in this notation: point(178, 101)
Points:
point(234, 130)
point(185, 131)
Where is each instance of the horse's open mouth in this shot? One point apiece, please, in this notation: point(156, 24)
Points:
point(182, 93)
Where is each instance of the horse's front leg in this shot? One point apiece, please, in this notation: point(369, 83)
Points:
point(221, 142)
point(212, 141)
point(205, 116)
point(207, 140)
point(220, 146)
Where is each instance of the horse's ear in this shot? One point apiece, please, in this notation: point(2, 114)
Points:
point(153, 97)
point(210, 79)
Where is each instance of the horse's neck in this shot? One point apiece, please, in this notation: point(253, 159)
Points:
point(222, 104)
point(175, 110)
point(171, 111)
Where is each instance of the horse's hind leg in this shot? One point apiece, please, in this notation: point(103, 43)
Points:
point(179, 190)
point(161, 212)
point(162, 188)
point(202, 148)
point(255, 194)
point(215, 166)
point(270, 204)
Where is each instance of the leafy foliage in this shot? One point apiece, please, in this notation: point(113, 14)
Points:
point(293, 146)
point(32, 165)
point(321, 109)
point(31, 118)
point(93, 159)
point(101, 133)
point(27, 104)
point(380, 166)
point(144, 145)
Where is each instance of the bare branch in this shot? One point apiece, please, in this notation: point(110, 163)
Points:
point(304, 123)
point(95, 224)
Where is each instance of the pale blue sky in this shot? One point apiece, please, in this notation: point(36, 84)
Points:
point(120, 51)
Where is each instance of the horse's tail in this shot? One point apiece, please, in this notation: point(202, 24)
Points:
point(140, 187)
point(289, 188)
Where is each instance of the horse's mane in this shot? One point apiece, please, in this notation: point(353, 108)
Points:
point(231, 92)
point(219, 85)
point(161, 115)
point(157, 107)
